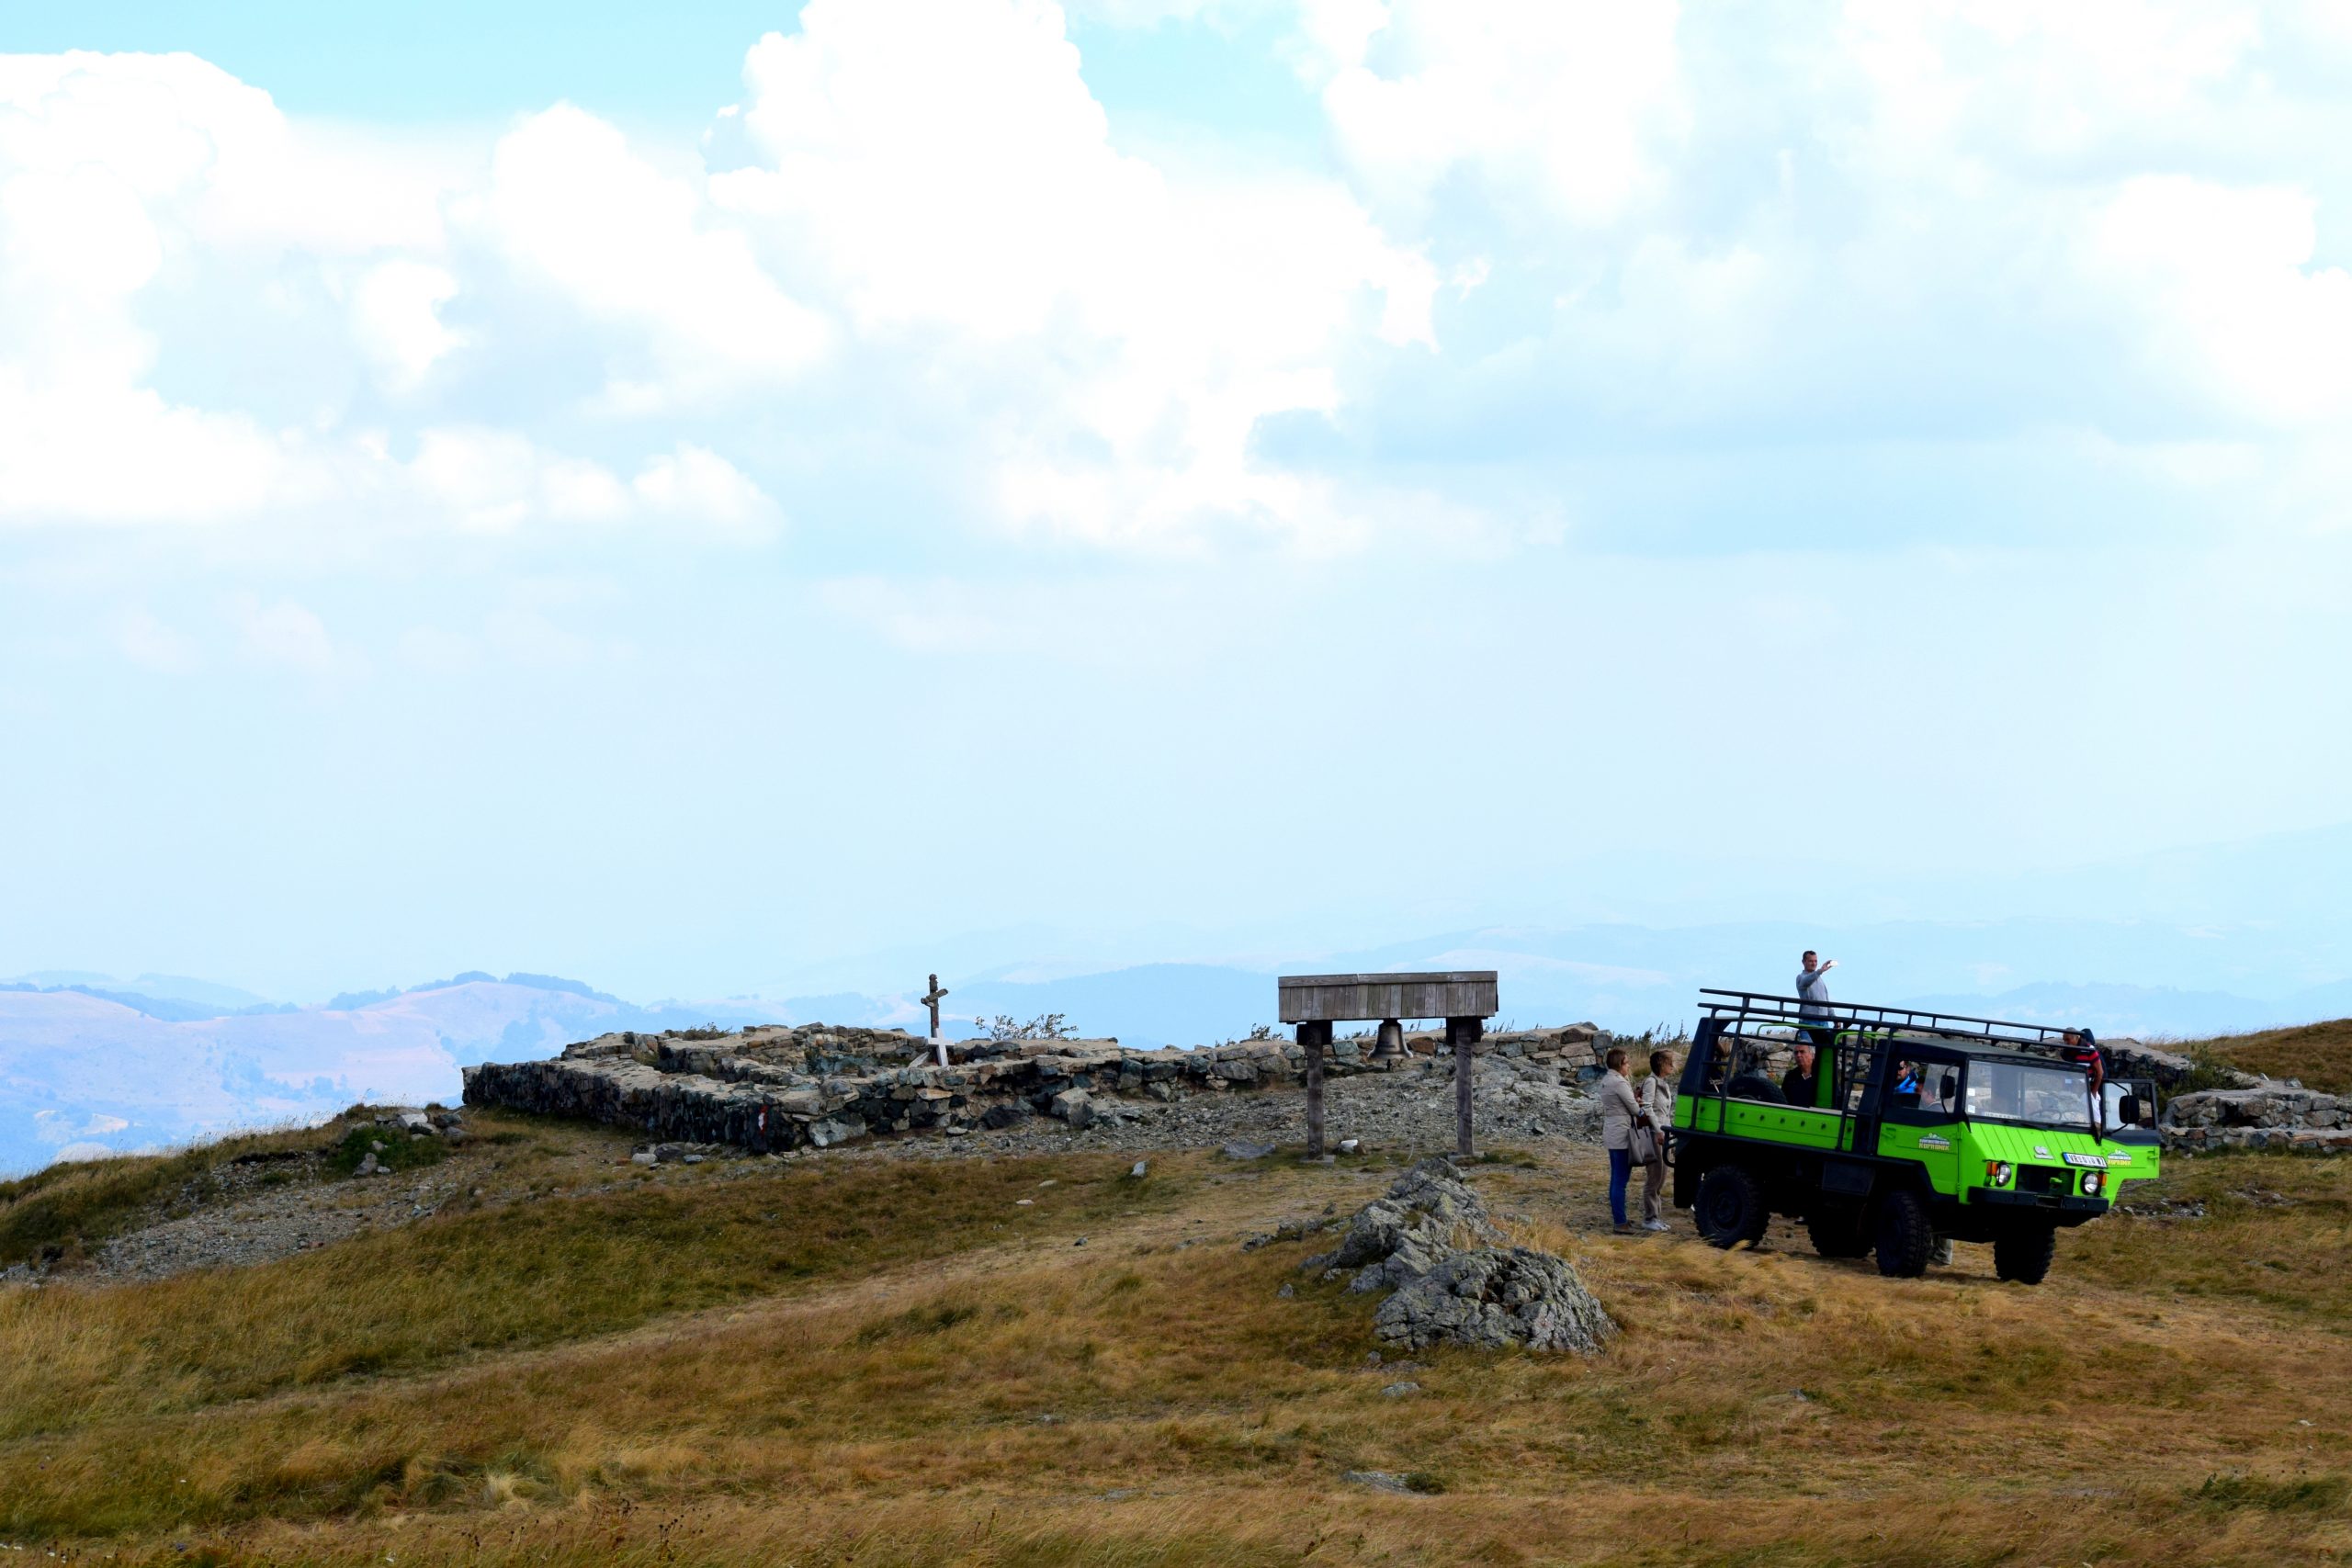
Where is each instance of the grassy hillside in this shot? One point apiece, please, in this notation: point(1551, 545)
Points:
point(888, 1362)
point(2318, 1053)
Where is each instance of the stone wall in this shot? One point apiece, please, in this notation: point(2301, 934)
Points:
point(2271, 1115)
point(816, 1085)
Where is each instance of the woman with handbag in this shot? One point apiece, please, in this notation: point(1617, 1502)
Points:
point(1619, 1115)
point(1656, 1097)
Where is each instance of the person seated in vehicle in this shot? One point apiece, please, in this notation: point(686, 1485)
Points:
point(1907, 1085)
point(1719, 1065)
point(1799, 1084)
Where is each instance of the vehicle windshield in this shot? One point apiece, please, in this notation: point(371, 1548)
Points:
point(2011, 1091)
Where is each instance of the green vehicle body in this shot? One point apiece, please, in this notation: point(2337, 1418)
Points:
point(2007, 1138)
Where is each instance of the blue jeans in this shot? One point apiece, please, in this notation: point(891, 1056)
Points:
point(1620, 1172)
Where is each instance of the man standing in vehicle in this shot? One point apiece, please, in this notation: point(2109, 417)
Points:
point(1813, 1000)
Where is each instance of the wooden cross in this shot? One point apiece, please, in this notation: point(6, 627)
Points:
point(931, 999)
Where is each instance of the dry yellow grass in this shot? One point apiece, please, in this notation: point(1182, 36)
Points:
point(2319, 1053)
point(1139, 1400)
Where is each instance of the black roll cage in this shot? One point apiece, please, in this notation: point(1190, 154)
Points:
point(1866, 1039)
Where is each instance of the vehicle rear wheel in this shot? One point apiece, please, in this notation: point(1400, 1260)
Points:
point(1731, 1206)
point(1837, 1233)
point(2024, 1254)
point(1904, 1236)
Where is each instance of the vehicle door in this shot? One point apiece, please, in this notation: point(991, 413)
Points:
point(1919, 1118)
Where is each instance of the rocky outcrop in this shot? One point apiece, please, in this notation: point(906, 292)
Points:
point(2270, 1115)
point(1493, 1297)
point(1429, 1241)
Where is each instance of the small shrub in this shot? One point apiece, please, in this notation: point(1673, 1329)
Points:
point(400, 1152)
point(2317, 1494)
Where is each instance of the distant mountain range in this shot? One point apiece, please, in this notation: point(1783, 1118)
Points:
point(93, 1067)
point(90, 1063)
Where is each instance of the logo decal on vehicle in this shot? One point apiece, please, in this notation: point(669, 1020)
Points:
point(1934, 1141)
point(2091, 1160)
point(2119, 1160)
point(2041, 1151)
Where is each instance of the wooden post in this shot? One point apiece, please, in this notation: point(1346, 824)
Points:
point(1312, 1038)
point(1463, 1032)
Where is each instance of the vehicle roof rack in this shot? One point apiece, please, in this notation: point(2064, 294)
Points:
point(1764, 1007)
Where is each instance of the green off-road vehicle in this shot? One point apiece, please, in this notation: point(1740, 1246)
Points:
point(1916, 1129)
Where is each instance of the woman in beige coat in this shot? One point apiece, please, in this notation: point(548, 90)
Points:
point(1618, 1112)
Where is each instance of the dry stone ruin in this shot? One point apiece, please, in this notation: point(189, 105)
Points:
point(775, 1088)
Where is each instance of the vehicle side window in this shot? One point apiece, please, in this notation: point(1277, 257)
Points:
point(1750, 1074)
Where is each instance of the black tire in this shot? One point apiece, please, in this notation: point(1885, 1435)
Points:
point(2023, 1254)
point(1837, 1233)
point(1730, 1209)
point(1904, 1236)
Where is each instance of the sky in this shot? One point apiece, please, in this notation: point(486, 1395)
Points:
point(678, 500)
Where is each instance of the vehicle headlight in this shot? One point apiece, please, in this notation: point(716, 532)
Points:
point(1999, 1172)
point(2093, 1180)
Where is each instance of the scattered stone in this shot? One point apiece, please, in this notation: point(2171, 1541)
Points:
point(1350, 1146)
point(368, 1165)
point(1379, 1481)
point(1399, 1390)
point(1287, 1291)
point(1242, 1148)
point(1140, 1169)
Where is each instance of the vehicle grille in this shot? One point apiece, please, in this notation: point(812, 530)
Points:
point(2042, 1179)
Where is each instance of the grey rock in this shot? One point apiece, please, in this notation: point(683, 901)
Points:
point(1140, 1169)
point(996, 1118)
point(1405, 1233)
point(1242, 1148)
point(1378, 1480)
point(1492, 1297)
point(368, 1165)
point(1399, 1390)
point(1350, 1146)
point(1074, 1106)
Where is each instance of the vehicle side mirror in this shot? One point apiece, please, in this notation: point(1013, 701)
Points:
point(2128, 1111)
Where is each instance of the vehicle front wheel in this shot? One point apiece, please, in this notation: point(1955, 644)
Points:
point(1904, 1236)
point(2024, 1254)
point(1837, 1233)
point(1731, 1207)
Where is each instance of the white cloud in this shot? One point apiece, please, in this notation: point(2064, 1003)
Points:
point(150, 644)
point(395, 318)
point(493, 480)
point(576, 209)
point(1568, 103)
point(2219, 281)
point(1120, 329)
point(284, 632)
